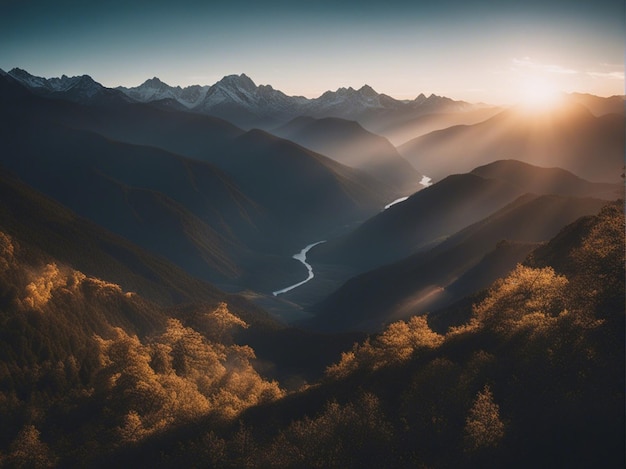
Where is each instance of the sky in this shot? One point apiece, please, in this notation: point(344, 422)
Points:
point(476, 50)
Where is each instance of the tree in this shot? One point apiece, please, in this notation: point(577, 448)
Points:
point(483, 427)
point(28, 451)
point(220, 323)
point(396, 344)
point(525, 297)
point(599, 284)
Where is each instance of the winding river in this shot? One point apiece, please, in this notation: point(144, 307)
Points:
point(301, 256)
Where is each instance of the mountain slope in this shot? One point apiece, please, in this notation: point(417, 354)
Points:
point(185, 210)
point(310, 194)
point(431, 215)
point(546, 180)
point(431, 280)
point(350, 144)
point(88, 356)
point(400, 129)
point(597, 105)
point(51, 228)
point(569, 137)
point(422, 220)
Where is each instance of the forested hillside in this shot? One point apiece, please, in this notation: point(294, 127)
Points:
point(88, 367)
point(533, 378)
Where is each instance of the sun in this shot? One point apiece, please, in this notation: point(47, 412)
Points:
point(538, 95)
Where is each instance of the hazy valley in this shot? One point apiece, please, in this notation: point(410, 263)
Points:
point(151, 238)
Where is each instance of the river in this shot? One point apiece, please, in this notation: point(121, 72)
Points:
point(301, 256)
point(426, 182)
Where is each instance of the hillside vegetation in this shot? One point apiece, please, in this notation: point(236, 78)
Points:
point(535, 378)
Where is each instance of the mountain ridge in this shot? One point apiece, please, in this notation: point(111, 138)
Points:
point(348, 142)
point(569, 136)
point(438, 277)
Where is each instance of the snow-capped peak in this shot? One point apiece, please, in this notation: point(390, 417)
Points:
point(154, 89)
point(28, 80)
point(240, 82)
point(82, 89)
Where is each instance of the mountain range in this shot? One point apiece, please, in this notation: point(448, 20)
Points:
point(239, 100)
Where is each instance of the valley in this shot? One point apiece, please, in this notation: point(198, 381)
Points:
point(186, 269)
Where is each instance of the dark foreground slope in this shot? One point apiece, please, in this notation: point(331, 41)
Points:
point(102, 342)
point(87, 364)
point(536, 379)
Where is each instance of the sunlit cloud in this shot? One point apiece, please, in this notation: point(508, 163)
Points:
point(607, 75)
point(528, 63)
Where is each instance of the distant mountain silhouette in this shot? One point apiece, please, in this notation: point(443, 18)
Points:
point(569, 137)
point(467, 261)
point(598, 106)
point(401, 129)
point(349, 143)
point(539, 180)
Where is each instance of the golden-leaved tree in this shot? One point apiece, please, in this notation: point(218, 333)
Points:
point(483, 427)
point(527, 297)
point(178, 376)
point(396, 344)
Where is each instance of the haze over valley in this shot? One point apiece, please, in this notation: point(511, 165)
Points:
point(394, 239)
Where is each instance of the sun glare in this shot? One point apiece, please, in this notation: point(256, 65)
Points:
point(540, 95)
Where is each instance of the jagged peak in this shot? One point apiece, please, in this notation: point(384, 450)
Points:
point(87, 78)
point(242, 81)
point(154, 82)
point(367, 90)
point(19, 71)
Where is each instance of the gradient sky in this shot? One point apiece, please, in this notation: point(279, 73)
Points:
point(477, 50)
